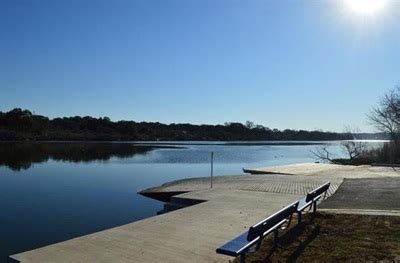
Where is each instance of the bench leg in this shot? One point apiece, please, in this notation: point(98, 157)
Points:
point(243, 258)
point(314, 207)
point(299, 217)
point(275, 236)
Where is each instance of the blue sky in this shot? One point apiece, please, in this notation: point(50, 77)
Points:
point(284, 64)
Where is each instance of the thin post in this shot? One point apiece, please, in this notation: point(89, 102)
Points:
point(315, 207)
point(299, 217)
point(243, 257)
point(275, 236)
point(212, 169)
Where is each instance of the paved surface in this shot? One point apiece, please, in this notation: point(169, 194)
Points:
point(333, 171)
point(368, 194)
point(275, 183)
point(362, 212)
point(187, 235)
point(235, 202)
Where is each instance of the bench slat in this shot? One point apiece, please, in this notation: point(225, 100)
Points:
point(318, 191)
point(236, 246)
point(270, 223)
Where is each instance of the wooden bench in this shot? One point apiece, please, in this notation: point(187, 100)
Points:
point(256, 233)
point(310, 200)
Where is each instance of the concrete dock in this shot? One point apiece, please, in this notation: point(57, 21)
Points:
point(193, 233)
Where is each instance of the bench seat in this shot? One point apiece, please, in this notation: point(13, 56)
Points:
point(240, 244)
point(236, 246)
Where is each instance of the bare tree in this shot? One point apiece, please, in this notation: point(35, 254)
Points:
point(386, 116)
point(352, 148)
point(323, 154)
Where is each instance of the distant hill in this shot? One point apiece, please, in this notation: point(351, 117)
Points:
point(22, 125)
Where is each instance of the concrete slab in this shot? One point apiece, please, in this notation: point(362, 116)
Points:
point(189, 234)
point(332, 170)
point(275, 183)
point(368, 194)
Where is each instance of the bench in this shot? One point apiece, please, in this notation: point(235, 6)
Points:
point(310, 200)
point(256, 233)
point(240, 245)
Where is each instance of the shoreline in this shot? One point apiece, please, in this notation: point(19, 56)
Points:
point(232, 205)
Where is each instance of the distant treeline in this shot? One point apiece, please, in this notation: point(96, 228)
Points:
point(22, 125)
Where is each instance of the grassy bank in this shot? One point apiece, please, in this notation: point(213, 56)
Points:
point(335, 237)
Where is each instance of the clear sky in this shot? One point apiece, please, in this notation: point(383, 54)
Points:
point(301, 64)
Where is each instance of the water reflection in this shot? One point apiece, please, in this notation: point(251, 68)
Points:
point(21, 156)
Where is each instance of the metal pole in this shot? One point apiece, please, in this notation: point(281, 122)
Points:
point(243, 258)
point(212, 169)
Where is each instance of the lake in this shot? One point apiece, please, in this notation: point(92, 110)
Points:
point(50, 192)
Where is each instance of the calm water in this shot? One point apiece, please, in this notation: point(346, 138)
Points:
point(50, 192)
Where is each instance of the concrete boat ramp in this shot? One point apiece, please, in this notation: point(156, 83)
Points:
point(211, 216)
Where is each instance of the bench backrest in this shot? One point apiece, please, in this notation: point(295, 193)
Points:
point(317, 192)
point(276, 220)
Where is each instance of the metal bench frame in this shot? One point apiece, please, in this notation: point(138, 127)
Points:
point(311, 199)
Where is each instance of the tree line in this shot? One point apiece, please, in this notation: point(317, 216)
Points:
point(23, 125)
